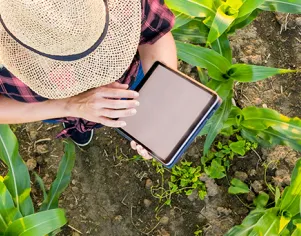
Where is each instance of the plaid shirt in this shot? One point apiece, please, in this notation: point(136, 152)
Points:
point(157, 20)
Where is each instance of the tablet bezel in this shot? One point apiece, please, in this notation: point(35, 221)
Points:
point(198, 121)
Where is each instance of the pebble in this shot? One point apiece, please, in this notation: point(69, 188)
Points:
point(257, 101)
point(147, 202)
point(75, 189)
point(298, 21)
point(224, 211)
point(241, 175)
point(75, 234)
point(164, 220)
point(33, 135)
point(257, 186)
point(148, 183)
point(73, 182)
point(118, 218)
point(252, 172)
point(42, 148)
point(251, 196)
point(31, 164)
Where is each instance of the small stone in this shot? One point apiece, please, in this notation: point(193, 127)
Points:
point(257, 101)
point(264, 105)
point(118, 218)
point(224, 211)
point(241, 175)
point(298, 21)
point(31, 164)
point(194, 196)
point(257, 186)
point(33, 135)
point(71, 206)
point(212, 188)
point(252, 172)
point(73, 182)
point(164, 220)
point(75, 233)
point(251, 196)
point(42, 148)
point(163, 232)
point(147, 203)
point(148, 183)
point(40, 159)
point(75, 189)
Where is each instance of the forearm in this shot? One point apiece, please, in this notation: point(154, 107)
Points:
point(14, 112)
point(164, 50)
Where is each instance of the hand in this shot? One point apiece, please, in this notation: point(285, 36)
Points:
point(102, 104)
point(141, 150)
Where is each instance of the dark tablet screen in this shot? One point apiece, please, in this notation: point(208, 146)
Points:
point(170, 108)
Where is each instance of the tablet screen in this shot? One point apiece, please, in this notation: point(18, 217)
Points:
point(170, 107)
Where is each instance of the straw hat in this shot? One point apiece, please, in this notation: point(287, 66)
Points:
point(60, 48)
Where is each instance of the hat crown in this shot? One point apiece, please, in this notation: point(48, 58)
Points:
point(56, 27)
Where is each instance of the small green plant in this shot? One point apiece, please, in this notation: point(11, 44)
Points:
point(184, 179)
point(238, 187)
point(17, 215)
point(217, 161)
point(282, 219)
point(201, 32)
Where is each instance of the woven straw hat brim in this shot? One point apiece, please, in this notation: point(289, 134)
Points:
point(55, 79)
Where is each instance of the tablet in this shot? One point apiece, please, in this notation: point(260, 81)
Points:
point(173, 109)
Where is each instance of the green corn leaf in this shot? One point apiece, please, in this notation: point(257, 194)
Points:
point(41, 184)
point(242, 22)
point(223, 88)
point(181, 19)
point(286, 6)
point(251, 73)
point(263, 118)
point(249, 6)
point(247, 225)
point(216, 64)
point(8, 211)
point(194, 32)
point(224, 17)
point(222, 46)
point(270, 137)
point(41, 223)
point(291, 201)
point(196, 8)
point(238, 187)
point(268, 225)
point(17, 180)
point(297, 231)
point(217, 122)
point(202, 75)
point(62, 179)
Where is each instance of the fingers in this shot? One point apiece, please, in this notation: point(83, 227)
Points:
point(118, 113)
point(111, 123)
point(116, 93)
point(117, 85)
point(141, 151)
point(119, 104)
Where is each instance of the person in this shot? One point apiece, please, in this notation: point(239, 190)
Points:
point(73, 61)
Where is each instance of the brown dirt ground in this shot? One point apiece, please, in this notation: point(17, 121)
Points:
point(108, 189)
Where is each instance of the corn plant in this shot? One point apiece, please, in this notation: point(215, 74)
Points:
point(17, 215)
point(282, 219)
point(201, 32)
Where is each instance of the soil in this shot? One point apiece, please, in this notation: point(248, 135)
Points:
point(110, 193)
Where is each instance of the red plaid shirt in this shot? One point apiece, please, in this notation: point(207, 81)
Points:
point(157, 20)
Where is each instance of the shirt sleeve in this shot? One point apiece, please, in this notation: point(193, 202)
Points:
point(157, 20)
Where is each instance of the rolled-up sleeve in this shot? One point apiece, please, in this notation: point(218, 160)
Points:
point(157, 20)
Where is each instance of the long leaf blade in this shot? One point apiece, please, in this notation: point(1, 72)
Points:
point(224, 17)
point(249, 6)
point(41, 223)
point(17, 180)
point(216, 64)
point(8, 211)
point(286, 6)
point(222, 46)
point(181, 19)
point(196, 8)
point(63, 178)
point(217, 121)
point(252, 73)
